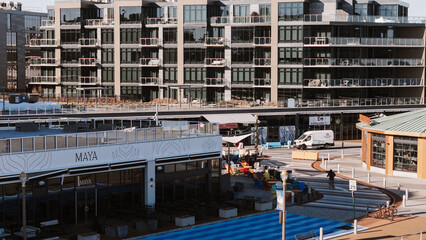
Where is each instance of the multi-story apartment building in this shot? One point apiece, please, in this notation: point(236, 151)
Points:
point(18, 27)
point(320, 52)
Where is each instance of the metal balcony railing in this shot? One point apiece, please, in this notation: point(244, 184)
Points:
point(214, 82)
point(262, 61)
point(152, 62)
point(374, 82)
point(251, 19)
point(364, 62)
point(219, 20)
point(87, 42)
point(363, 41)
point(147, 42)
point(362, 19)
point(37, 42)
point(148, 80)
point(44, 79)
point(43, 61)
point(88, 80)
point(215, 41)
point(100, 22)
point(215, 62)
point(87, 61)
point(47, 23)
point(348, 102)
point(154, 21)
point(260, 41)
point(261, 82)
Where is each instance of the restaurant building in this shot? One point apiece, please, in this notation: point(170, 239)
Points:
point(395, 145)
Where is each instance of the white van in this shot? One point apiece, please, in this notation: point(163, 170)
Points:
point(323, 138)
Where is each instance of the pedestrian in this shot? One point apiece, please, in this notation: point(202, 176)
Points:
point(331, 176)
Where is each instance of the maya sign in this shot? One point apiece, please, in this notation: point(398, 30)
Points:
point(319, 121)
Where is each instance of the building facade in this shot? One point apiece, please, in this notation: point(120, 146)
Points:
point(319, 52)
point(18, 26)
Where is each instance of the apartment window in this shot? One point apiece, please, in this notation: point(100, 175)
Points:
point(388, 10)
point(108, 55)
point(11, 38)
point(194, 14)
point(70, 36)
point(290, 76)
point(290, 11)
point(70, 74)
point(170, 55)
point(290, 55)
point(219, 11)
point(107, 36)
point(9, 21)
point(195, 75)
point(379, 151)
point(242, 34)
point(242, 55)
point(285, 94)
point(12, 56)
point(48, 34)
point(130, 55)
point(265, 10)
point(170, 35)
point(153, 12)
point(241, 10)
point(130, 35)
point(170, 75)
point(172, 13)
point(48, 53)
point(29, 36)
point(194, 35)
point(130, 15)
point(194, 55)
point(242, 75)
point(70, 55)
point(130, 74)
point(32, 22)
point(405, 154)
point(362, 9)
point(290, 34)
point(70, 16)
point(107, 74)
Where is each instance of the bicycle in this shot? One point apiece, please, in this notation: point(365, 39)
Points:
point(379, 213)
point(331, 184)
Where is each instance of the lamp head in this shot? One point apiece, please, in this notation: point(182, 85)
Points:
point(284, 175)
point(23, 178)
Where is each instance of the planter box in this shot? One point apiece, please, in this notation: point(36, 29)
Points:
point(228, 212)
point(110, 232)
point(263, 206)
point(122, 231)
point(185, 221)
point(89, 236)
point(142, 226)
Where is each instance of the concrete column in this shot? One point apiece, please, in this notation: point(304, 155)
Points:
point(421, 164)
point(274, 51)
point(369, 152)
point(150, 183)
point(389, 155)
point(161, 69)
point(99, 56)
point(228, 71)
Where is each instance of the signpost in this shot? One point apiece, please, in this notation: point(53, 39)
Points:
point(352, 188)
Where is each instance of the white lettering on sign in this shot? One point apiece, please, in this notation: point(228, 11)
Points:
point(352, 185)
point(319, 121)
point(83, 182)
point(86, 156)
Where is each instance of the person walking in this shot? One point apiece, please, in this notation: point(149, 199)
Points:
point(331, 176)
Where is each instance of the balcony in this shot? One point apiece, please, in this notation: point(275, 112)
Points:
point(251, 19)
point(89, 62)
point(148, 81)
point(262, 62)
point(47, 23)
point(348, 102)
point(154, 21)
point(219, 20)
point(214, 62)
point(37, 42)
point(88, 80)
point(262, 41)
point(88, 42)
point(149, 62)
point(99, 22)
point(352, 82)
point(321, 41)
point(215, 42)
point(363, 19)
point(363, 62)
point(43, 61)
point(214, 82)
point(149, 42)
point(260, 82)
point(52, 80)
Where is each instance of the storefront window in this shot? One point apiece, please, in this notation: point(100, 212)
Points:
point(379, 151)
point(405, 154)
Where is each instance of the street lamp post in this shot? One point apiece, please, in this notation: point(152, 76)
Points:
point(23, 178)
point(284, 177)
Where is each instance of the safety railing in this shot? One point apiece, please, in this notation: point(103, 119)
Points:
point(260, 41)
point(385, 101)
point(100, 22)
point(87, 42)
point(47, 23)
point(251, 19)
point(215, 41)
point(148, 80)
point(418, 235)
point(262, 62)
point(219, 20)
point(363, 41)
point(147, 42)
point(37, 42)
point(44, 79)
point(214, 81)
point(373, 82)
point(88, 79)
point(152, 62)
point(104, 138)
point(215, 62)
point(362, 19)
point(154, 21)
point(87, 61)
point(43, 61)
point(261, 82)
point(368, 62)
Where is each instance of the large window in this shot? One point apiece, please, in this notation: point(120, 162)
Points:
point(362, 9)
point(290, 55)
point(195, 75)
point(130, 55)
point(241, 10)
point(108, 55)
point(194, 14)
point(290, 11)
point(388, 10)
point(194, 35)
point(170, 35)
point(70, 55)
point(107, 74)
point(242, 55)
point(242, 34)
point(194, 55)
point(290, 76)
point(70, 74)
point(130, 15)
point(130, 75)
point(170, 75)
point(265, 10)
point(130, 35)
point(170, 55)
point(32, 22)
point(70, 16)
point(242, 76)
point(107, 36)
point(70, 36)
point(379, 151)
point(11, 38)
point(172, 14)
point(290, 34)
point(405, 154)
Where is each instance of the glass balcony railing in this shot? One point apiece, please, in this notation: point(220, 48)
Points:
point(219, 20)
point(364, 62)
point(215, 41)
point(147, 42)
point(215, 62)
point(262, 62)
point(260, 41)
point(44, 79)
point(47, 23)
point(152, 62)
point(261, 82)
point(88, 79)
point(43, 61)
point(87, 42)
point(350, 102)
point(100, 22)
point(37, 42)
point(363, 19)
point(87, 61)
point(251, 19)
point(374, 82)
point(148, 81)
point(363, 41)
point(214, 81)
point(154, 20)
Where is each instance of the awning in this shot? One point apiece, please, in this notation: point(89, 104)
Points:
point(235, 139)
point(246, 118)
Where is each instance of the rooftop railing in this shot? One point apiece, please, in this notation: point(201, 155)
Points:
point(104, 138)
point(363, 41)
point(374, 82)
point(363, 19)
point(364, 62)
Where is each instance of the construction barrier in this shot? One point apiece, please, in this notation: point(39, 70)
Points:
point(305, 155)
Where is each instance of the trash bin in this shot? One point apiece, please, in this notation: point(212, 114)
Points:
point(14, 98)
point(33, 97)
